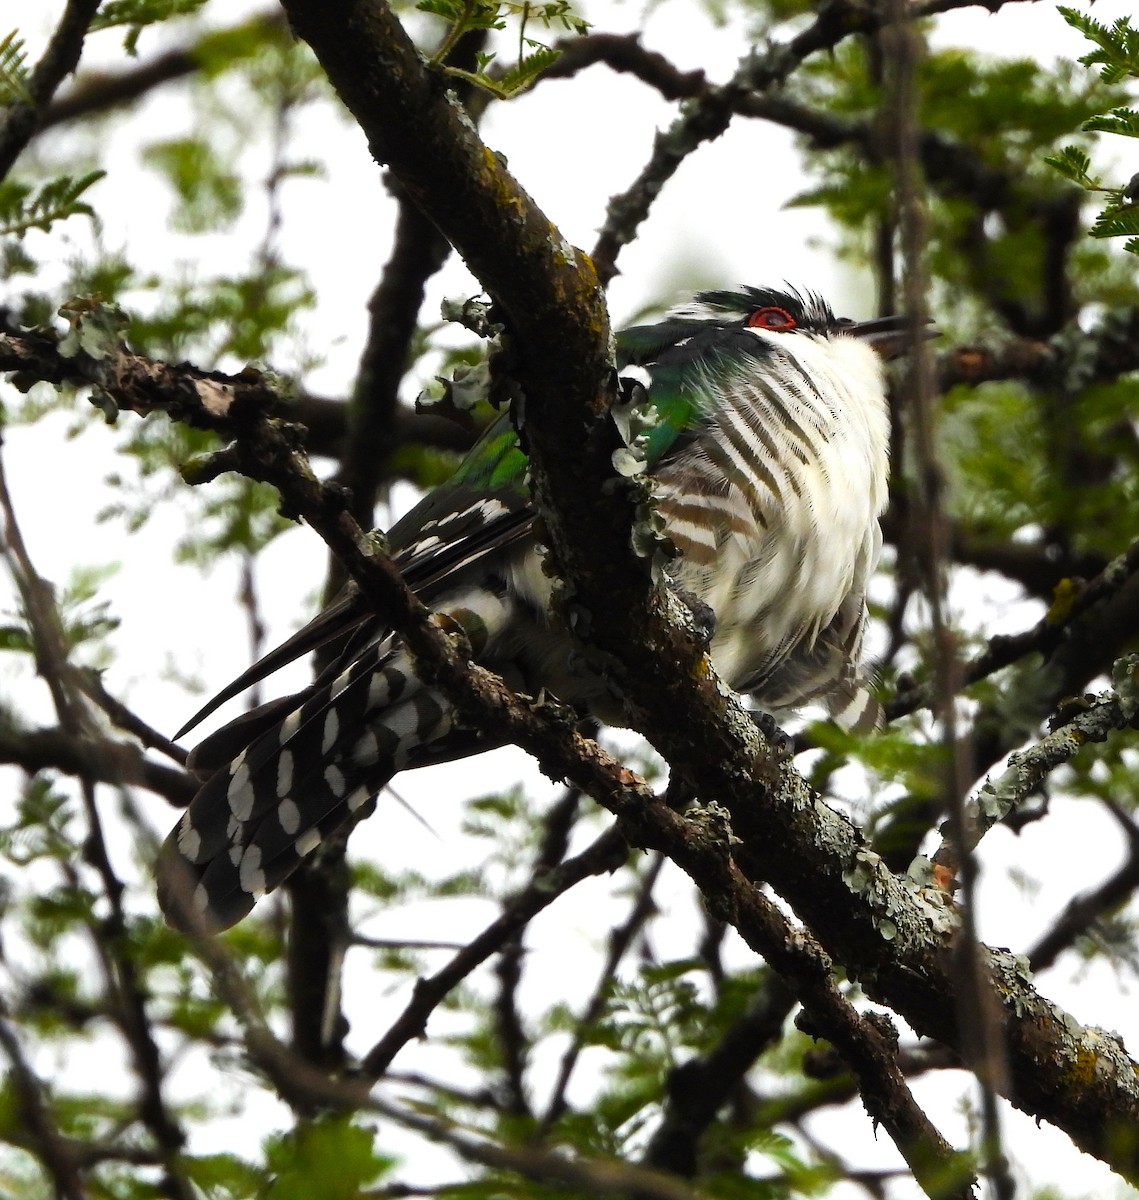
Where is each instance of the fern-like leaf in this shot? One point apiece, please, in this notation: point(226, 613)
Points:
point(1073, 164)
point(1123, 121)
point(13, 71)
point(1117, 222)
point(1118, 53)
point(521, 76)
point(23, 208)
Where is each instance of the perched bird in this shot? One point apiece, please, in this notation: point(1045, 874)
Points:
point(766, 444)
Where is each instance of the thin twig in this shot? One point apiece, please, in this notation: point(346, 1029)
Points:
point(593, 1176)
point(699, 1089)
point(620, 939)
point(712, 107)
point(1005, 649)
point(605, 854)
point(49, 1145)
point(982, 1037)
point(96, 92)
point(110, 935)
point(1025, 770)
point(1083, 911)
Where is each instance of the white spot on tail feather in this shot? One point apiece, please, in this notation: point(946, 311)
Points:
point(308, 842)
point(341, 682)
point(284, 773)
point(379, 693)
point(370, 748)
point(289, 816)
point(334, 777)
point(331, 729)
point(250, 875)
point(403, 721)
point(239, 793)
point(189, 840)
point(358, 799)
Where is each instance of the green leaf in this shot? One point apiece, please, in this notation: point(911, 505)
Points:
point(209, 191)
point(1073, 164)
point(327, 1159)
point(1117, 222)
point(1118, 53)
point(1118, 58)
point(464, 16)
point(224, 1175)
point(520, 77)
point(13, 72)
point(23, 208)
point(1123, 121)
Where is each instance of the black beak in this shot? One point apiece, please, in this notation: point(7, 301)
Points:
point(890, 336)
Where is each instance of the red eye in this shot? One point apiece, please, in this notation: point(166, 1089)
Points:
point(771, 318)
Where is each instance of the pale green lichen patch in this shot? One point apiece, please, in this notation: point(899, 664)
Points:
point(861, 873)
point(469, 382)
point(921, 887)
point(636, 421)
point(1093, 722)
point(1125, 678)
point(714, 824)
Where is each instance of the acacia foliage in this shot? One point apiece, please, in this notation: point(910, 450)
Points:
point(688, 1065)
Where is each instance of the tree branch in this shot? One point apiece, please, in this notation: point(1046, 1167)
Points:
point(52, 1149)
point(99, 91)
point(1025, 771)
point(19, 119)
point(1044, 637)
point(93, 758)
point(1084, 910)
point(605, 854)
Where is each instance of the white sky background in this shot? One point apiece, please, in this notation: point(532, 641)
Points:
point(719, 222)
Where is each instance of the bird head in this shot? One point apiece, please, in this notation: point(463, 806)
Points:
point(773, 313)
